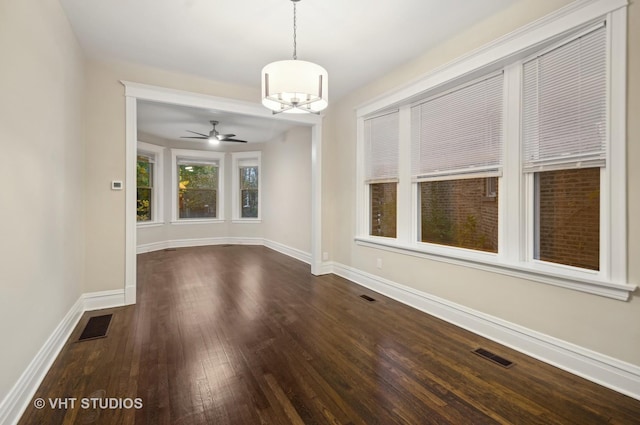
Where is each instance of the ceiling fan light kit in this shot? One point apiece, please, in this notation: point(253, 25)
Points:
point(214, 137)
point(294, 86)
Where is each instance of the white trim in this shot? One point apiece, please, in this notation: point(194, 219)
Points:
point(316, 199)
point(186, 243)
point(298, 254)
point(551, 274)
point(157, 208)
point(607, 371)
point(236, 159)
point(327, 268)
point(104, 299)
point(135, 91)
point(363, 222)
point(246, 221)
point(19, 396)
point(198, 100)
point(617, 155)
point(187, 221)
point(131, 134)
point(186, 155)
point(145, 224)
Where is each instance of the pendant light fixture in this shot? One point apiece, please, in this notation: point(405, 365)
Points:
point(294, 86)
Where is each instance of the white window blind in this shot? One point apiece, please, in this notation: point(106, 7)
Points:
point(460, 131)
point(252, 162)
point(381, 147)
point(565, 105)
point(198, 161)
point(147, 156)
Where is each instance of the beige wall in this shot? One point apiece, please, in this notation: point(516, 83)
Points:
point(287, 189)
point(168, 231)
point(601, 324)
point(41, 213)
point(286, 195)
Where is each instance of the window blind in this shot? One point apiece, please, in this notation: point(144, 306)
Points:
point(199, 161)
point(460, 131)
point(146, 156)
point(381, 147)
point(565, 105)
point(252, 162)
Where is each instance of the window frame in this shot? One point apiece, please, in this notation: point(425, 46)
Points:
point(236, 211)
point(515, 213)
point(157, 191)
point(195, 156)
point(369, 181)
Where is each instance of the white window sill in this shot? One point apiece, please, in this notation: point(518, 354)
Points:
point(143, 224)
point(197, 221)
point(537, 271)
point(246, 220)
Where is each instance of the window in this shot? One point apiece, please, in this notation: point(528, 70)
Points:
point(144, 190)
point(567, 212)
point(197, 187)
point(512, 159)
point(149, 184)
point(457, 154)
point(564, 126)
point(246, 186)
point(381, 141)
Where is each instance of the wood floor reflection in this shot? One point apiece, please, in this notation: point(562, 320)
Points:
point(244, 335)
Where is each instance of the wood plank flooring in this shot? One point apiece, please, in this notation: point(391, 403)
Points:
point(245, 335)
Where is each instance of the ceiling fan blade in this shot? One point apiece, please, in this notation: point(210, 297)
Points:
point(195, 137)
point(235, 140)
point(223, 137)
point(199, 134)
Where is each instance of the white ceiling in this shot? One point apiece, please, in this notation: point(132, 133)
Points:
point(357, 41)
point(171, 122)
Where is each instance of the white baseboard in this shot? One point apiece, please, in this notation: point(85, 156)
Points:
point(19, 397)
point(326, 267)
point(609, 372)
point(298, 254)
point(185, 243)
point(104, 299)
point(151, 247)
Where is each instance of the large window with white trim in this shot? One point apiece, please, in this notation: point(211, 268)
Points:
point(564, 119)
point(197, 185)
point(512, 159)
point(456, 146)
point(381, 156)
point(149, 183)
point(246, 196)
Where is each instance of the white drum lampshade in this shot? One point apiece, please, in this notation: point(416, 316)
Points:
point(294, 86)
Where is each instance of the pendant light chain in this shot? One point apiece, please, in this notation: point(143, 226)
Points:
point(295, 27)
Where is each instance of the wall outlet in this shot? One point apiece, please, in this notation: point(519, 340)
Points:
point(379, 263)
point(325, 256)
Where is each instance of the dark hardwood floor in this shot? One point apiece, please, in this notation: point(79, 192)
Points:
point(244, 335)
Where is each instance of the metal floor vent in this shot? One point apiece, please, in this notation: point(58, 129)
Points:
point(171, 249)
point(96, 327)
point(226, 245)
point(368, 298)
point(501, 361)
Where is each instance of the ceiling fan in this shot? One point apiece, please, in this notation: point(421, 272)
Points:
point(214, 135)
